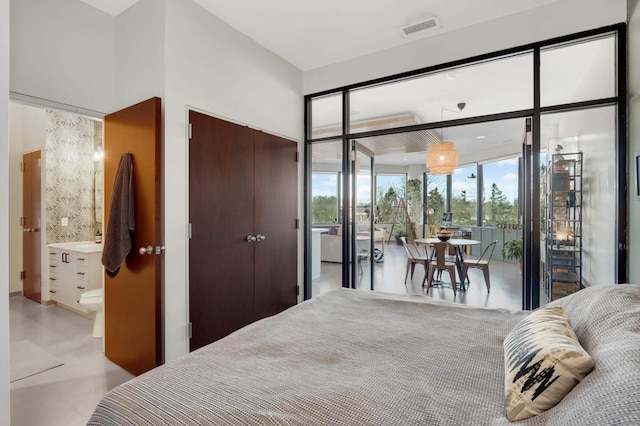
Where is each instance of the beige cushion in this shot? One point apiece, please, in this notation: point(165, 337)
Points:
point(543, 362)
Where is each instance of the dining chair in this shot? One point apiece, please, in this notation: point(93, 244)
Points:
point(441, 263)
point(413, 257)
point(481, 263)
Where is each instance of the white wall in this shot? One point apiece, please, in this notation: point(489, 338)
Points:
point(213, 68)
point(26, 134)
point(4, 213)
point(633, 50)
point(63, 51)
point(139, 53)
point(555, 19)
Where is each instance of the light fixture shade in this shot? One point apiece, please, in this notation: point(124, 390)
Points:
point(442, 158)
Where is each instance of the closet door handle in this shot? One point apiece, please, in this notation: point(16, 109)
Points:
point(260, 237)
point(251, 239)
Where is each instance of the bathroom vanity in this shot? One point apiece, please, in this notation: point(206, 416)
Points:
point(74, 268)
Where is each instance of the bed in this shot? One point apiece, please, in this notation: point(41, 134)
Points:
point(351, 357)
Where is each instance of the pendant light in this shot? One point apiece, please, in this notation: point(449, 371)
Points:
point(442, 157)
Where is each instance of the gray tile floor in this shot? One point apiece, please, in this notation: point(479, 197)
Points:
point(65, 395)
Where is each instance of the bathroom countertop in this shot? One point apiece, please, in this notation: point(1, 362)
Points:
point(79, 246)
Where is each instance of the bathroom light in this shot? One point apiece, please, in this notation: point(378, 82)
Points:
point(98, 154)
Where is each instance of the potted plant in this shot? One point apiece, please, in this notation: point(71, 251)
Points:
point(512, 250)
point(399, 234)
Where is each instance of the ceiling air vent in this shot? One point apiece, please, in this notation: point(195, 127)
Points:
point(420, 26)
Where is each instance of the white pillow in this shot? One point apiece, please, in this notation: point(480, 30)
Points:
point(543, 362)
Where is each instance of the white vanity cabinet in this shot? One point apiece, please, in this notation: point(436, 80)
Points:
point(74, 268)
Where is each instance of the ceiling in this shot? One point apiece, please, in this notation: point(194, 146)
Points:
point(336, 30)
point(311, 34)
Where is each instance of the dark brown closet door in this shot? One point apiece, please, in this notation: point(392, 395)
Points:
point(276, 213)
point(221, 211)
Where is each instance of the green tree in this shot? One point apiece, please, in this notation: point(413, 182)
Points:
point(463, 210)
point(501, 208)
point(387, 202)
point(324, 209)
point(435, 201)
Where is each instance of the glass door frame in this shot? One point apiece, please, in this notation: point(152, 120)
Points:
point(356, 261)
point(531, 162)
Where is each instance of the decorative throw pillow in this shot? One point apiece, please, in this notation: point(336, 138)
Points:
point(543, 362)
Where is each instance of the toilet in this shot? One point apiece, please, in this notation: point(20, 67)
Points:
point(92, 301)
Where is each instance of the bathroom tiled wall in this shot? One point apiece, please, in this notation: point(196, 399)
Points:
point(70, 176)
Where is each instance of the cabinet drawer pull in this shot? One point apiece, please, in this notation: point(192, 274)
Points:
point(52, 266)
point(52, 279)
point(80, 273)
point(52, 291)
point(81, 258)
point(80, 287)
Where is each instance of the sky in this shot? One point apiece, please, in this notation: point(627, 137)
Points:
point(504, 173)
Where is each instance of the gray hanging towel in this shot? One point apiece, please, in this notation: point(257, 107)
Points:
point(118, 236)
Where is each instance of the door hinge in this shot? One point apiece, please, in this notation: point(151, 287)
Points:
point(297, 156)
point(39, 163)
point(297, 290)
point(189, 231)
point(23, 220)
point(23, 275)
point(21, 166)
point(189, 130)
point(190, 329)
point(297, 223)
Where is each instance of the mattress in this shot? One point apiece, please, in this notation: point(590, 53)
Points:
point(352, 357)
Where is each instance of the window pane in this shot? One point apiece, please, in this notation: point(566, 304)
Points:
point(324, 199)
point(325, 182)
point(434, 97)
point(389, 191)
point(326, 116)
point(500, 192)
point(436, 197)
point(464, 196)
point(578, 72)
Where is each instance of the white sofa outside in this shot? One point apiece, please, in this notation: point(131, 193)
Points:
point(331, 244)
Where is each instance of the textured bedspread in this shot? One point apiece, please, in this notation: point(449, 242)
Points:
point(344, 358)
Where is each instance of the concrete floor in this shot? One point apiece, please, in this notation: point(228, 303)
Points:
point(65, 395)
point(506, 281)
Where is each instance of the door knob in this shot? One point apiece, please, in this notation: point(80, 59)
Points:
point(251, 239)
point(260, 237)
point(145, 250)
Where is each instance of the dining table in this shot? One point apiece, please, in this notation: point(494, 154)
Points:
point(458, 245)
